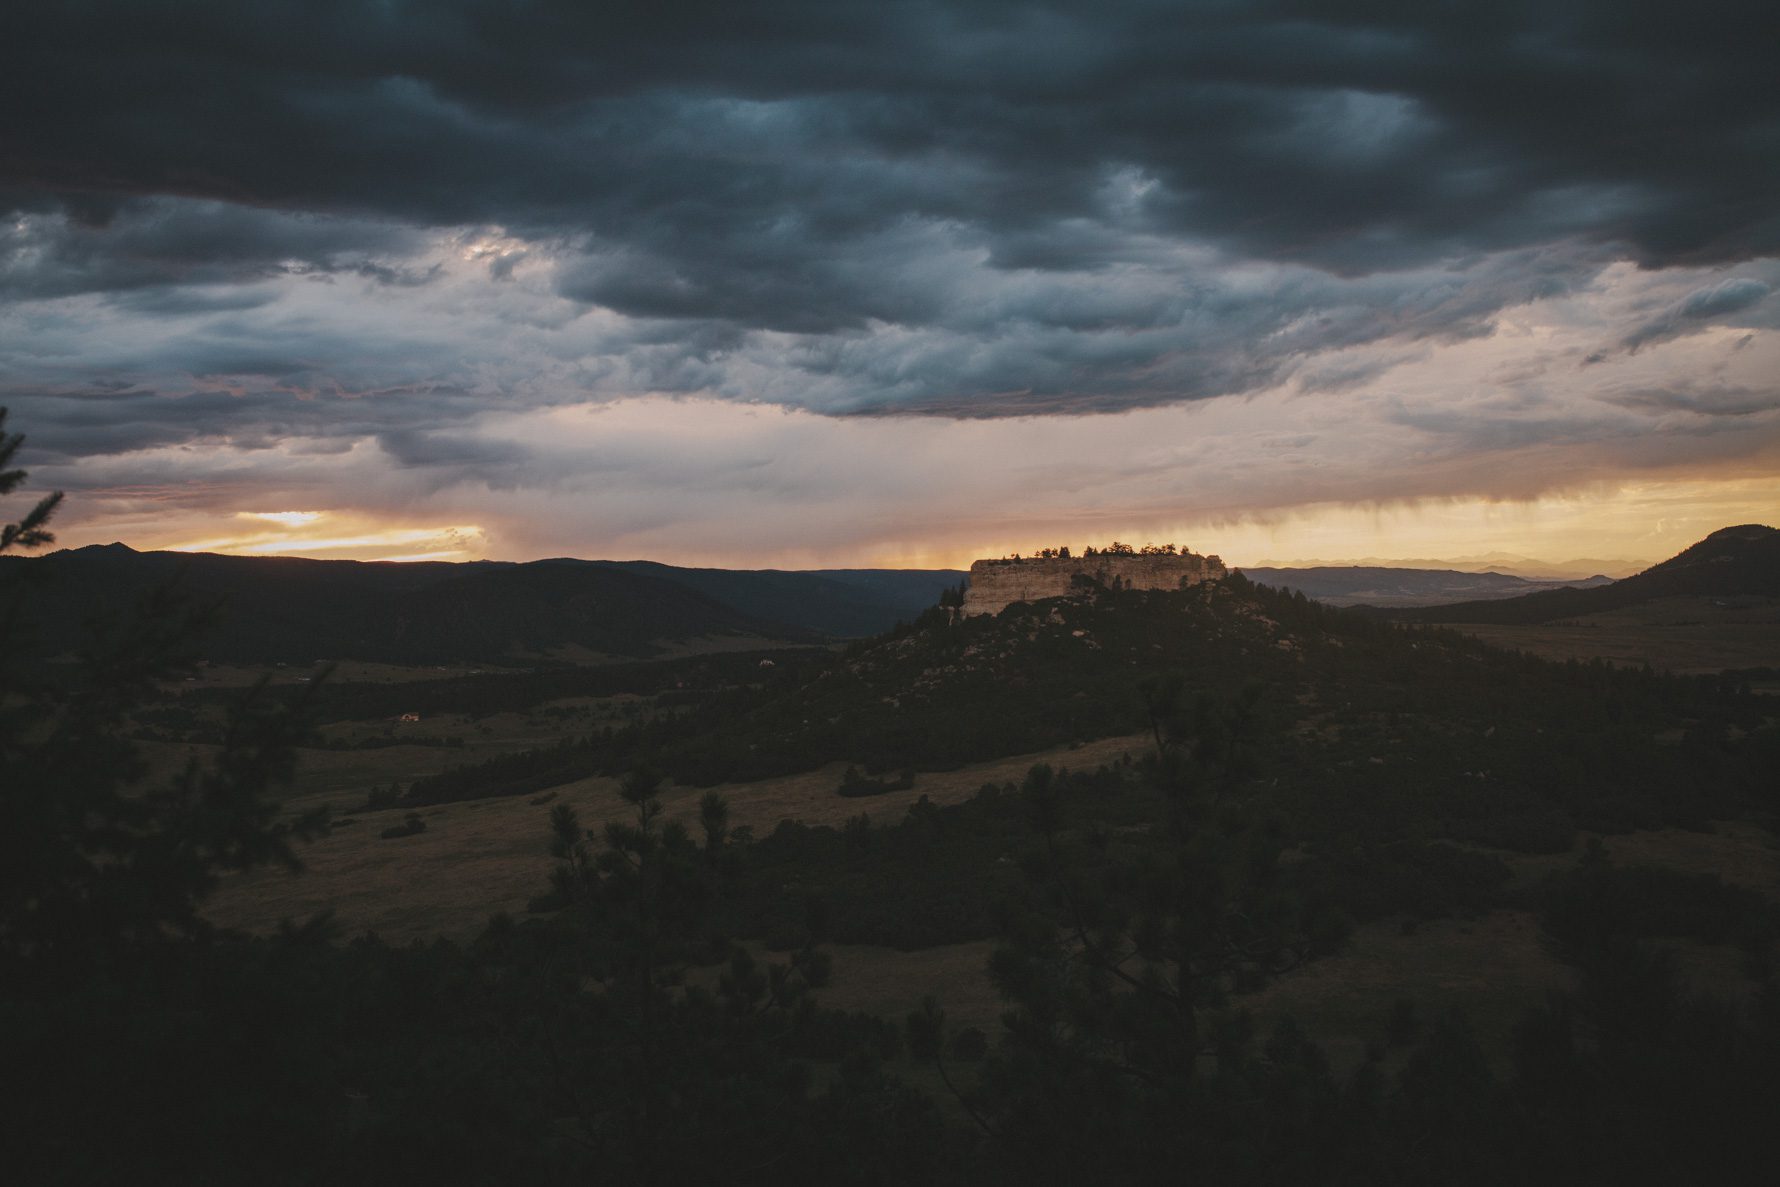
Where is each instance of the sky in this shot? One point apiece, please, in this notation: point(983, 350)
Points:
point(823, 283)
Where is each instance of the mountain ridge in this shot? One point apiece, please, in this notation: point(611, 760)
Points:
point(1740, 560)
point(301, 609)
point(1389, 586)
point(1508, 564)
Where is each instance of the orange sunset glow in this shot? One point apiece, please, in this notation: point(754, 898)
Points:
point(326, 535)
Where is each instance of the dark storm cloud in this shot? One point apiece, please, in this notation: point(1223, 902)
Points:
point(71, 424)
point(1159, 335)
point(462, 453)
point(1639, 424)
point(150, 243)
point(1698, 310)
point(1050, 207)
point(170, 300)
point(1340, 133)
point(1713, 400)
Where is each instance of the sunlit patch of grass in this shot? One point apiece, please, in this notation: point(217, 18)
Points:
point(479, 857)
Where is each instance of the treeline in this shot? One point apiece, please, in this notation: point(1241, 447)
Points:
point(509, 692)
point(522, 773)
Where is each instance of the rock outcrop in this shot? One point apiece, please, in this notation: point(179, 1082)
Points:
point(996, 584)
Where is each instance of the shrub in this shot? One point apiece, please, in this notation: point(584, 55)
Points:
point(408, 828)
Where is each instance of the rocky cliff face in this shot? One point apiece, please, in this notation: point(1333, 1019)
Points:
point(996, 584)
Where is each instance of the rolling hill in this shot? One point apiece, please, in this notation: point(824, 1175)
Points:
point(287, 609)
point(279, 609)
point(843, 603)
point(1731, 562)
point(1386, 586)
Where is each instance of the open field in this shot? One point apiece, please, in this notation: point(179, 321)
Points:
point(494, 733)
point(1739, 852)
point(1683, 635)
point(342, 778)
point(811, 798)
point(354, 671)
point(483, 856)
point(355, 756)
point(1492, 968)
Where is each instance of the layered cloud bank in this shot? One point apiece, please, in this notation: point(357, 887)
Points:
point(831, 282)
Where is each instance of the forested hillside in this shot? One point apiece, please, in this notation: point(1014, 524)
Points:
point(842, 603)
point(284, 609)
point(1417, 732)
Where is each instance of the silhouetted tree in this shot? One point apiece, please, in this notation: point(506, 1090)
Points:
point(1121, 1057)
point(94, 854)
point(670, 1078)
point(29, 531)
point(116, 995)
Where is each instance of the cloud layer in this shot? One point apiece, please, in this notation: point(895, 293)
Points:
point(1468, 240)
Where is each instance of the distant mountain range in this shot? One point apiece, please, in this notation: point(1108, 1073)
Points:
point(1505, 563)
point(1377, 585)
point(1732, 562)
point(286, 609)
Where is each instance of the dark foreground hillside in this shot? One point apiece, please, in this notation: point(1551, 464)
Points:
point(658, 1017)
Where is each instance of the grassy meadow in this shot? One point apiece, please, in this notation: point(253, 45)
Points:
point(482, 856)
point(1686, 635)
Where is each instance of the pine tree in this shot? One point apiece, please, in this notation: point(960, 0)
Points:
point(29, 531)
point(95, 856)
point(1123, 1055)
